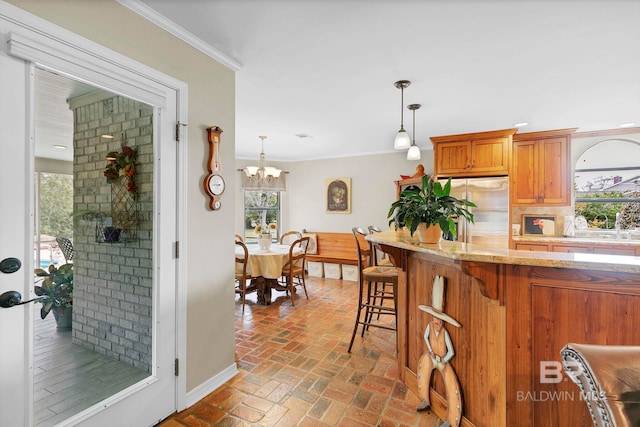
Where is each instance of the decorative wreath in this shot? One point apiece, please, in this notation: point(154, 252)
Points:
point(120, 164)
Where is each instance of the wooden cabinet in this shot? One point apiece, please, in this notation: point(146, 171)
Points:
point(605, 248)
point(539, 247)
point(473, 154)
point(540, 173)
point(582, 249)
point(611, 250)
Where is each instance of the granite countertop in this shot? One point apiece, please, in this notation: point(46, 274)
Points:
point(470, 252)
point(577, 240)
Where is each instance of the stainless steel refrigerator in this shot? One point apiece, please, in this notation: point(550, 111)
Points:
point(491, 216)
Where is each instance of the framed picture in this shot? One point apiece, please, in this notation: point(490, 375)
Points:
point(338, 193)
point(539, 225)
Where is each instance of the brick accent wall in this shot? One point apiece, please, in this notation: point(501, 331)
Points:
point(112, 306)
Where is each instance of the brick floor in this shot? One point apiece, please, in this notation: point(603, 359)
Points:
point(295, 369)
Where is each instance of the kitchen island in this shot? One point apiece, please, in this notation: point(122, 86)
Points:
point(516, 309)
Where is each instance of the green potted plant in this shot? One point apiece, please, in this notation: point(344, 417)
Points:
point(431, 209)
point(56, 293)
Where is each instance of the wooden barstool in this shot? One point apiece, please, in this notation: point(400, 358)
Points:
point(373, 299)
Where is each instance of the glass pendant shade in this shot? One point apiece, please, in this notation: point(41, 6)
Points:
point(402, 141)
point(251, 170)
point(413, 153)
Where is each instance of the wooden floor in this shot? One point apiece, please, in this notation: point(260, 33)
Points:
point(295, 369)
point(69, 378)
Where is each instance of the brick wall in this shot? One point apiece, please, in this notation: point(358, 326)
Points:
point(112, 307)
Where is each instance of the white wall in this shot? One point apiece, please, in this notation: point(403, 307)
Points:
point(372, 187)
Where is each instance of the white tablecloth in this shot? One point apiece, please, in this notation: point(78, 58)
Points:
point(267, 264)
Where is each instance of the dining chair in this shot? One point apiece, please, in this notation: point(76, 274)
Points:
point(239, 237)
point(372, 299)
point(290, 237)
point(241, 275)
point(293, 271)
point(66, 247)
point(381, 257)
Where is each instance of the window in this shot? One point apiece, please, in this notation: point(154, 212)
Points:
point(54, 206)
point(607, 182)
point(261, 208)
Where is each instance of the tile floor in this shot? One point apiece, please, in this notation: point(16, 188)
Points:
point(295, 369)
point(68, 378)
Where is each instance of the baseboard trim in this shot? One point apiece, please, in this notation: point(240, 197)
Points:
point(211, 385)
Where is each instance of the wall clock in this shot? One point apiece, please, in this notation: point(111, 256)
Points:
point(214, 184)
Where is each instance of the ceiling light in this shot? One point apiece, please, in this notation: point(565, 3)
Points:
point(521, 124)
point(262, 176)
point(402, 140)
point(628, 125)
point(414, 151)
point(60, 147)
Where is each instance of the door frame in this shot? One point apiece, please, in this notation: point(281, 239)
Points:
point(49, 46)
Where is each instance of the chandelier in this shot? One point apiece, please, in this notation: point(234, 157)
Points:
point(263, 176)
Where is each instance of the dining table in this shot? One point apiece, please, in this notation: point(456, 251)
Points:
point(265, 267)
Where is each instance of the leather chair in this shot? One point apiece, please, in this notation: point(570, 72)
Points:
point(609, 379)
point(376, 285)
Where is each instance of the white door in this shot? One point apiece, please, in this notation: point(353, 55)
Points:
point(15, 383)
point(147, 401)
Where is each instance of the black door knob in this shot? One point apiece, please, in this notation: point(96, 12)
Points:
point(10, 265)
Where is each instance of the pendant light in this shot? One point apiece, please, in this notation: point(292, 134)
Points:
point(402, 141)
point(414, 151)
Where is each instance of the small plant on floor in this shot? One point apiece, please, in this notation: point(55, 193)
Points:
point(56, 290)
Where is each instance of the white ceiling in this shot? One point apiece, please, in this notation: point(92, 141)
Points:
point(327, 68)
point(53, 118)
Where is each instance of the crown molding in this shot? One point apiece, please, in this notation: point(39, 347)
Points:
point(171, 27)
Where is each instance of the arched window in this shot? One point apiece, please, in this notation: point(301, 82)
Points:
point(607, 182)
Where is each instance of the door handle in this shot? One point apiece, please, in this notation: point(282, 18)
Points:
point(13, 298)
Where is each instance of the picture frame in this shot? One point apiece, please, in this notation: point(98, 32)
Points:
point(539, 225)
point(338, 195)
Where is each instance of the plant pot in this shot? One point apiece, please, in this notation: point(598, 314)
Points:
point(429, 234)
point(111, 234)
point(264, 241)
point(63, 323)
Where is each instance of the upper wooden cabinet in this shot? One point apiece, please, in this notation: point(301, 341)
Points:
point(540, 168)
point(473, 154)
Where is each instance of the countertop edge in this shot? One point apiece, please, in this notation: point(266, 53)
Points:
point(478, 253)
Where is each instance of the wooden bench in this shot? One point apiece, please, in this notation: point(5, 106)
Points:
point(337, 248)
